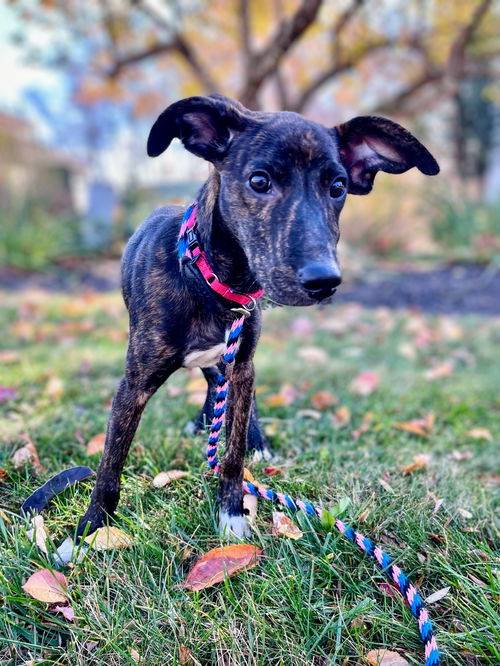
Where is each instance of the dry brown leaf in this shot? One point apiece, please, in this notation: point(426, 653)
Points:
point(465, 514)
point(250, 503)
point(315, 355)
point(107, 538)
point(341, 416)
point(390, 591)
point(440, 371)
point(286, 397)
point(365, 383)
point(27, 455)
point(421, 427)
point(4, 517)
point(284, 526)
point(135, 655)
point(219, 563)
point(248, 476)
point(480, 433)
point(364, 427)
point(461, 455)
point(54, 388)
point(420, 461)
point(437, 596)
point(37, 533)
point(386, 486)
point(323, 399)
point(96, 444)
point(164, 478)
point(385, 658)
point(185, 656)
point(48, 586)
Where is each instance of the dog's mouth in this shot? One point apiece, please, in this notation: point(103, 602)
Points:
point(319, 295)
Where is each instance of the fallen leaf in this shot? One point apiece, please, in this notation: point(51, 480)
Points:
point(7, 393)
point(37, 533)
point(476, 580)
point(421, 427)
point(135, 655)
point(437, 506)
point(364, 427)
point(9, 356)
point(314, 355)
point(461, 455)
point(272, 471)
point(164, 478)
point(286, 397)
point(437, 596)
point(250, 503)
point(219, 563)
point(323, 399)
point(464, 513)
point(309, 414)
point(107, 538)
point(66, 610)
point(420, 461)
point(341, 416)
point(54, 388)
point(248, 476)
point(386, 486)
point(96, 444)
point(385, 658)
point(27, 454)
point(3, 474)
point(390, 591)
point(48, 586)
point(365, 383)
point(4, 517)
point(284, 526)
point(480, 433)
point(440, 371)
point(185, 656)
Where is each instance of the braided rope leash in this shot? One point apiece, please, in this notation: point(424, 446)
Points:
point(366, 545)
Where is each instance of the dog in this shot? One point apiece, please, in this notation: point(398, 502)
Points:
point(267, 218)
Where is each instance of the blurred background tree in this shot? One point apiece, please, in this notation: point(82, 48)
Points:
point(431, 64)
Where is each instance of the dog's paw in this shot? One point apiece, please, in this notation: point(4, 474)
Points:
point(262, 454)
point(233, 527)
point(190, 429)
point(68, 552)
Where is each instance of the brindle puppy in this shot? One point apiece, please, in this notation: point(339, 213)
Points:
point(268, 217)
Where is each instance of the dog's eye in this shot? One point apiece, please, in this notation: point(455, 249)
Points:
point(260, 182)
point(338, 188)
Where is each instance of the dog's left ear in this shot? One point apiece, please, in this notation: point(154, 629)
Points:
point(369, 144)
point(203, 124)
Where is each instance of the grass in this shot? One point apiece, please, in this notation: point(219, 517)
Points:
point(312, 601)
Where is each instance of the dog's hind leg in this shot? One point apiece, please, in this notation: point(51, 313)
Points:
point(232, 521)
point(134, 391)
point(257, 443)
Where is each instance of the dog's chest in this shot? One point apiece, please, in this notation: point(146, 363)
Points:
point(206, 344)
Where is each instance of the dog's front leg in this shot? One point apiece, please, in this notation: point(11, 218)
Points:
point(232, 520)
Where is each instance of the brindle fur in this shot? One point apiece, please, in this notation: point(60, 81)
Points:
point(252, 240)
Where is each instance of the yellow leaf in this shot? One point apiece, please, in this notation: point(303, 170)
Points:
point(48, 586)
point(37, 533)
point(108, 538)
point(341, 416)
point(480, 433)
point(420, 461)
point(54, 388)
point(248, 476)
point(164, 478)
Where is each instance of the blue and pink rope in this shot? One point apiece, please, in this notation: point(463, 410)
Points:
point(366, 545)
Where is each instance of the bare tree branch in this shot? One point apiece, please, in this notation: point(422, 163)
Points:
point(339, 26)
point(264, 62)
point(456, 59)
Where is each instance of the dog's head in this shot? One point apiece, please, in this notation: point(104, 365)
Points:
point(284, 181)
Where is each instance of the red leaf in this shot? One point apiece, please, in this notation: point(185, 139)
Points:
point(219, 563)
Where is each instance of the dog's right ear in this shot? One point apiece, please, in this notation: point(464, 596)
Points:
point(203, 124)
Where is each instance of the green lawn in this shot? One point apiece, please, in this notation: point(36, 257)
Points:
point(312, 601)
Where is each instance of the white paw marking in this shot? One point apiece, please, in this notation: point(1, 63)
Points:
point(233, 527)
point(262, 454)
point(68, 552)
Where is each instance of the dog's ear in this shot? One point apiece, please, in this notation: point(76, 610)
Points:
point(203, 124)
point(369, 144)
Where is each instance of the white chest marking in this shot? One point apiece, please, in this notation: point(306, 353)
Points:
point(204, 358)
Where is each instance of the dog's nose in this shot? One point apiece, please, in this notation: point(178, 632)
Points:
point(320, 278)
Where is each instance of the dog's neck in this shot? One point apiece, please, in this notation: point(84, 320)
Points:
point(225, 254)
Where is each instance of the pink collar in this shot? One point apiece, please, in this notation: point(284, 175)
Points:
point(189, 248)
